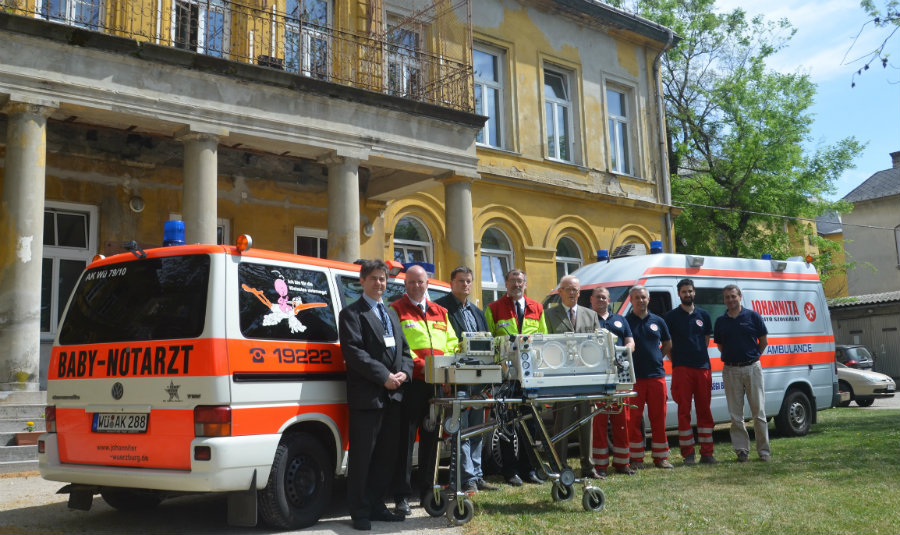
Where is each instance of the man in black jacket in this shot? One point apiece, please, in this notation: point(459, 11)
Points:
point(466, 317)
point(379, 365)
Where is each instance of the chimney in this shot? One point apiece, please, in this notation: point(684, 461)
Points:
point(895, 159)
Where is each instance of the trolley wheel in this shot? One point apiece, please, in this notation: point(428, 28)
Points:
point(457, 517)
point(562, 493)
point(435, 505)
point(594, 499)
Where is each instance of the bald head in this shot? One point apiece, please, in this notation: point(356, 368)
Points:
point(416, 283)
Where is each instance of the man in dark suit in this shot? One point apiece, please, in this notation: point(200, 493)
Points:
point(569, 317)
point(378, 367)
point(466, 317)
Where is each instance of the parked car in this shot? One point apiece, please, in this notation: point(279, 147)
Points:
point(864, 385)
point(854, 356)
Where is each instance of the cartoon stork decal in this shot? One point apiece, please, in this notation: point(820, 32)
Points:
point(284, 309)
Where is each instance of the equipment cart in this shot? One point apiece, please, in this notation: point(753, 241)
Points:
point(525, 373)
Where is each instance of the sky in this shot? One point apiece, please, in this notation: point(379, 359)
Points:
point(870, 112)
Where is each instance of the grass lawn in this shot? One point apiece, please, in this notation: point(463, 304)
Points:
point(843, 478)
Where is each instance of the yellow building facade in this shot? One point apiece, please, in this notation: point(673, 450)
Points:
point(495, 134)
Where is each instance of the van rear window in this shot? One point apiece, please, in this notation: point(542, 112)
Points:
point(147, 299)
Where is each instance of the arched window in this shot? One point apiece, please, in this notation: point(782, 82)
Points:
point(412, 241)
point(568, 257)
point(496, 260)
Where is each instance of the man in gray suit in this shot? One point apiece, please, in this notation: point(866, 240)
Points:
point(570, 317)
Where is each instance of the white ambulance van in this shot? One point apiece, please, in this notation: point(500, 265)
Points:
point(798, 365)
point(204, 368)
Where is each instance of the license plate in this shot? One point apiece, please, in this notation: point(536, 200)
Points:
point(119, 423)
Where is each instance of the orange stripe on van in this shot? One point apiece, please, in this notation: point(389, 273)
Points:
point(730, 273)
point(269, 420)
point(166, 444)
point(774, 361)
point(162, 358)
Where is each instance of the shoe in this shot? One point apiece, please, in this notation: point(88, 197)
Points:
point(765, 458)
point(402, 507)
point(627, 470)
point(663, 464)
point(386, 516)
point(592, 474)
point(533, 478)
point(602, 473)
point(708, 459)
point(481, 484)
point(515, 481)
point(690, 460)
point(362, 524)
point(742, 456)
point(637, 465)
point(470, 488)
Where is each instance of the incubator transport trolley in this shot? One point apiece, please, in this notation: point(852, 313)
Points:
point(514, 378)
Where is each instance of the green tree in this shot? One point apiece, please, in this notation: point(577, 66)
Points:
point(737, 131)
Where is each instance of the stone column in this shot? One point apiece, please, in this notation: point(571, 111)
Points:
point(22, 221)
point(459, 224)
point(200, 188)
point(343, 208)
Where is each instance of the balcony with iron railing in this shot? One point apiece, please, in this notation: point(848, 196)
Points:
point(428, 63)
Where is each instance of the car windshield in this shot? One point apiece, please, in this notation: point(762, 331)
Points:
point(148, 299)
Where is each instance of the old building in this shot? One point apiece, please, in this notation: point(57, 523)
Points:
point(496, 133)
point(872, 232)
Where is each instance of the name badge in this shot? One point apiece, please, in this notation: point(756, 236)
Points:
point(389, 341)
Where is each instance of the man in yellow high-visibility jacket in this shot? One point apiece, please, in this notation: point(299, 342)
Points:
point(428, 332)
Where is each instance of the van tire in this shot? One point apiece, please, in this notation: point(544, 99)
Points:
point(131, 500)
point(299, 485)
point(795, 416)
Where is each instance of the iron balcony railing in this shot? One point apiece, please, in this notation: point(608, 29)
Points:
point(423, 61)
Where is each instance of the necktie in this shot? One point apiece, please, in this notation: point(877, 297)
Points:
point(572, 316)
point(388, 330)
point(422, 308)
point(520, 315)
point(469, 318)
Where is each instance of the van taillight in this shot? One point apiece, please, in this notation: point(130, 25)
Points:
point(212, 421)
point(50, 418)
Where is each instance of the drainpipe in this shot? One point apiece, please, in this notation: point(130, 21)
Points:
point(663, 154)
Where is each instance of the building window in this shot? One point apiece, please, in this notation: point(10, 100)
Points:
point(306, 37)
point(83, 13)
point(311, 242)
point(619, 130)
point(496, 260)
point(201, 26)
point(70, 241)
point(897, 241)
point(223, 228)
point(412, 242)
point(558, 111)
point(489, 95)
point(568, 257)
point(404, 71)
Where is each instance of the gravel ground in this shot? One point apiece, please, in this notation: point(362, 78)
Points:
point(30, 505)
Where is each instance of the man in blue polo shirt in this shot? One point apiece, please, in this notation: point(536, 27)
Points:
point(651, 342)
point(742, 338)
point(691, 328)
